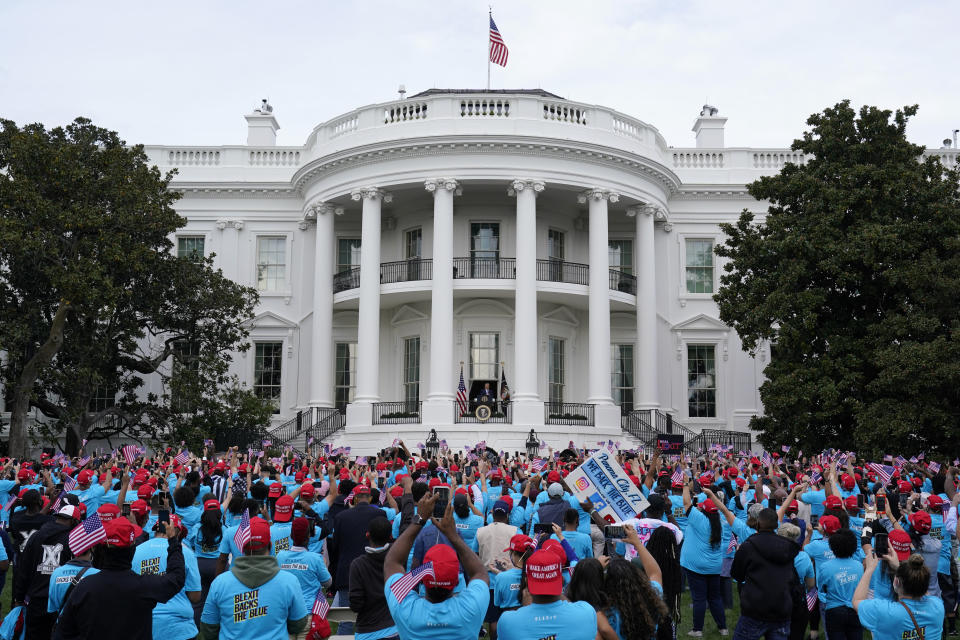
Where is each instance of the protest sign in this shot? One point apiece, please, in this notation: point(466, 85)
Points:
point(603, 481)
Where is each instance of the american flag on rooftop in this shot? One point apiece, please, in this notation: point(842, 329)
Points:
point(402, 587)
point(498, 50)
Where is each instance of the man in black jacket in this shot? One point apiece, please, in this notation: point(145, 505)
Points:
point(348, 543)
point(366, 583)
point(45, 551)
point(763, 566)
point(118, 603)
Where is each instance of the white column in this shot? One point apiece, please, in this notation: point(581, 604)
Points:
point(598, 388)
point(527, 408)
point(322, 364)
point(438, 407)
point(645, 356)
point(368, 326)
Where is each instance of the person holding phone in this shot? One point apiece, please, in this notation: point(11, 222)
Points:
point(913, 615)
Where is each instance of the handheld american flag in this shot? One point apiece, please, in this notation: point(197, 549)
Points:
point(182, 457)
point(130, 453)
point(86, 534)
point(242, 536)
point(498, 50)
point(811, 599)
point(461, 394)
point(934, 467)
point(677, 475)
point(537, 465)
point(320, 606)
point(816, 478)
point(402, 587)
point(884, 472)
point(734, 543)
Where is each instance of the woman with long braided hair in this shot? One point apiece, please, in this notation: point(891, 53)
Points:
point(664, 549)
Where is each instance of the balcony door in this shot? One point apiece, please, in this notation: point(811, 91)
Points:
point(484, 249)
point(414, 253)
point(484, 368)
point(555, 246)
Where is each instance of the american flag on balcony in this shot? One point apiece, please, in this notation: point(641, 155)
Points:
point(462, 394)
point(498, 50)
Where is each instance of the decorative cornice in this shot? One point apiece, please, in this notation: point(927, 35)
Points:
point(597, 193)
point(713, 192)
point(450, 184)
point(235, 190)
point(371, 193)
point(223, 223)
point(320, 209)
point(518, 145)
point(529, 184)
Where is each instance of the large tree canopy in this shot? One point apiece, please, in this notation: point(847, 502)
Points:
point(854, 276)
point(92, 295)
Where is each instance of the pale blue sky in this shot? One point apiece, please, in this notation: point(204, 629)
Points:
point(185, 72)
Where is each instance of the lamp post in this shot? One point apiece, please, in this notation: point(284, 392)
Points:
point(533, 445)
point(432, 445)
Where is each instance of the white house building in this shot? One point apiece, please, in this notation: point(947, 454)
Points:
point(564, 247)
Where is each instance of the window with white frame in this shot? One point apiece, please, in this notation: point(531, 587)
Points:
point(348, 254)
point(556, 369)
point(103, 398)
point(186, 361)
point(699, 265)
point(701, 381)
point(345, 380)
point(271, 263)
point(484, 356)
point(267, 372)
point(621, 255)
point(411, 371)
point(191, 247)
point(621, 376)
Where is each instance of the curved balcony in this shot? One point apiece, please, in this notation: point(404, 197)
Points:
point(346, 280)
point(623, 282)
point(551, 270)
point(408, 270)
point(485, 268)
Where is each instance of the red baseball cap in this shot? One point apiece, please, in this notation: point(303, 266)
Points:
point(396, 491)
point(508, 500)
point(553, 476)
point(900, 542)
point(544, 577)
point(830, 524)
point(139, 507)
point(851, 504)
point(793, 507)
point(847, 481)
point(556, 548)
point(904, 486)
point(833, 502)
point(423, 464)
point(145, 491)
point(276, 490)
point(934, 501)
point(25, 474)
point(211, 505)
point(283, 510)
point(709, 506)
point(259, 534)
point(344, 474)
point(446, 567)
point(521, 543)
point(121, 532)
point(108, 512)
point(921, 521)
point(307, 489)
point(85, 476)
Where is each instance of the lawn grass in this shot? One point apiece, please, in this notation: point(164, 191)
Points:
point(709, 626)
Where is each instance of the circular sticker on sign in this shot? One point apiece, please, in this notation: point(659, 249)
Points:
point(483, 413)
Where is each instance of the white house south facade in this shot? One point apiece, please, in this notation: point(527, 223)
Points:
point(561, 246)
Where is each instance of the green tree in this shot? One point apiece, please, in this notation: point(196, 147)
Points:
point(854, 275)
point(91, 294)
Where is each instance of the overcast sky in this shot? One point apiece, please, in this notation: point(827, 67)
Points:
point(177, 72)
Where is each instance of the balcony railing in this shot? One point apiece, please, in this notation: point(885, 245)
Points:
point(349, 279)
point(406, 412)
point(625, 282)
point(559, 271)
point(502, 413)
point(568, 413)
point(406, 270)
point(490, 268)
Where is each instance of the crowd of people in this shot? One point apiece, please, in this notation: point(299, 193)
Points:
point(460, 545)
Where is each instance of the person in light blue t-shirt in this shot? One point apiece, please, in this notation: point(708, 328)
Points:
point(837, 580)
point(64, 575)
point(915, 616)
point(548, 616)
point(308, 567)
point(173, 619)
point(441, 613)
point(255, 600)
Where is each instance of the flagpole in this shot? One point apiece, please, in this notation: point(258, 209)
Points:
point(490, 17)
